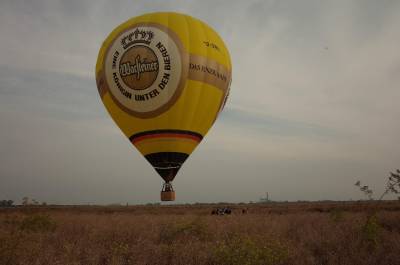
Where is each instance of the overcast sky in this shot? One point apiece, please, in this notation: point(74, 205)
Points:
point(314, 105)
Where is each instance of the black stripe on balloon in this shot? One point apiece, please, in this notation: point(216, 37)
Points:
point(167, 164)
point(166, 131)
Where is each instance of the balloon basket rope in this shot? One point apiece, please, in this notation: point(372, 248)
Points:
point(167, 192)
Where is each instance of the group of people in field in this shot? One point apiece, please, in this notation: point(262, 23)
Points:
point(226, 210)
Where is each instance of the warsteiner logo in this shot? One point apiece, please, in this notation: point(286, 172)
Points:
point(139, 67)
point(143, 69)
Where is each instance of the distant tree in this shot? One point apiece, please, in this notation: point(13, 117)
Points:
point(6, 203)
point(365, 189)
point(371, 229)
point(392, 186)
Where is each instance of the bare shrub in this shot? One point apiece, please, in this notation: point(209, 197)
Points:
point(336, 215)
point(371, 231)
point(37, 223)
point(241, 250)
point(195, 229)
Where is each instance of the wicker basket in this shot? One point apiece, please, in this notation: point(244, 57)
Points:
point(168, 196)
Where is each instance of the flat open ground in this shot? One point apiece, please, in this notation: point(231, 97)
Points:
point(273, 233)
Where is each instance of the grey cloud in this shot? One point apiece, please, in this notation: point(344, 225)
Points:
point(52, 94)
point(270, 125)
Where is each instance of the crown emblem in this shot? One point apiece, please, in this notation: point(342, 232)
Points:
point(138, 36)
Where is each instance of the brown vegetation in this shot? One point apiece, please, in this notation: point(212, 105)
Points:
point(281, 233)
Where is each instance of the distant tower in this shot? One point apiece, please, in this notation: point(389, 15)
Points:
point(266, 199)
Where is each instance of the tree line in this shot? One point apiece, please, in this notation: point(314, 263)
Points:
point(6, 203)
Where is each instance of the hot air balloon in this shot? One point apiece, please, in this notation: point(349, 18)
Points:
point(164, 78)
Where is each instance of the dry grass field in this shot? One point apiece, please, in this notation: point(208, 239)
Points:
point(279, 233)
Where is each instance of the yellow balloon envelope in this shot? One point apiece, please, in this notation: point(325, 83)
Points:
point(164, 78)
